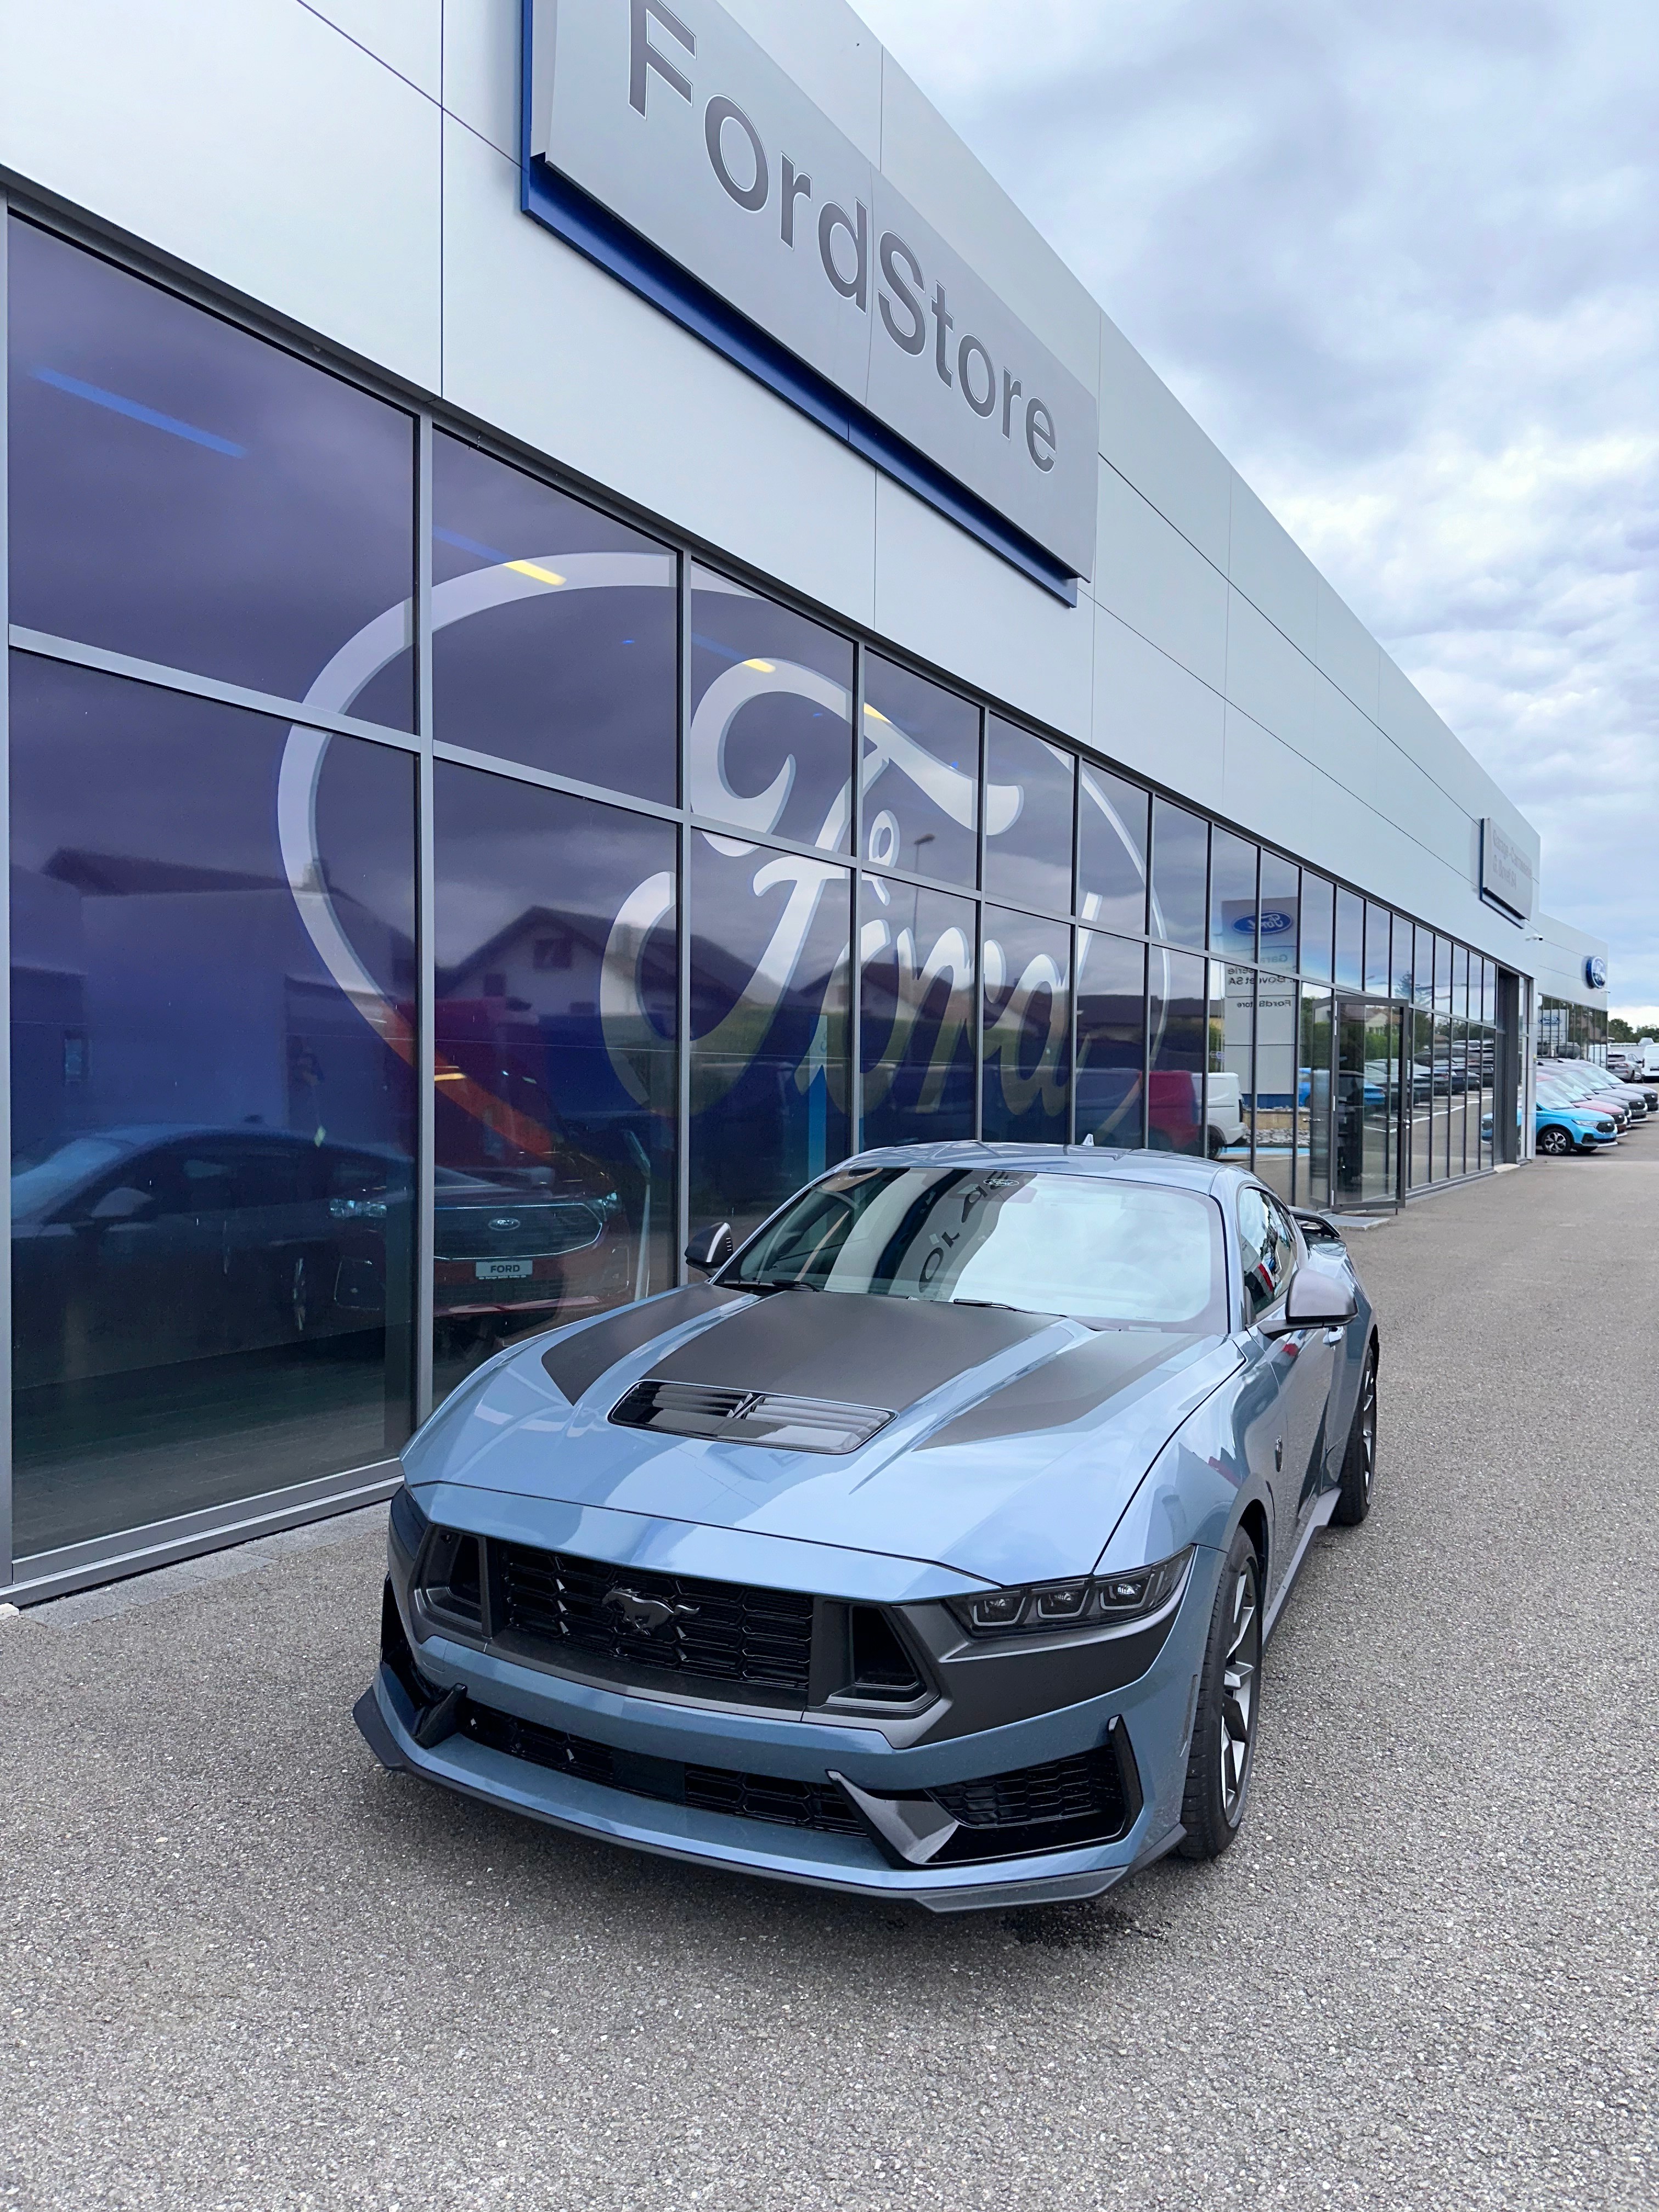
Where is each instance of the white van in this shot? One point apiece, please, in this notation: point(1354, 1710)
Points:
point(1646, 1057)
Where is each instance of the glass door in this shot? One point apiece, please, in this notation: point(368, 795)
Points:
point(1366, 1136)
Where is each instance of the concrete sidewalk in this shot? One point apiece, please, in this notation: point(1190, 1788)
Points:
point(245, 1968)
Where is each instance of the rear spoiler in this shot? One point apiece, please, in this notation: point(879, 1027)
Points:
point(1317, 1228)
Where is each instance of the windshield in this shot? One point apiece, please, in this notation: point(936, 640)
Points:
point(1097, 1251)
point(34, 1189)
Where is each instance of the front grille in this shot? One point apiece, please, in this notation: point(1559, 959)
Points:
point(747, 1417)
point(785, 1803)
point(714, 1633)
point(539, 1232)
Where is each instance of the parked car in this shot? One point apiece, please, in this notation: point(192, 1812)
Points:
point(146, 1245)
point(1566, 1090)
point(948, 1581)
point(1560, 1129)
point(1602, 1081)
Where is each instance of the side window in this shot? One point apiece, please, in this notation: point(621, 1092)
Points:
point(1266, 1251)
point(1285, 1235)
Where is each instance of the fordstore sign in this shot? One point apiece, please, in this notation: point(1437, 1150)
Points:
point(674, 120)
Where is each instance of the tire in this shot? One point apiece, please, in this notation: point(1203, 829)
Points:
point(1353, 1499)
point(1555, 1142)
point(1223, 1756)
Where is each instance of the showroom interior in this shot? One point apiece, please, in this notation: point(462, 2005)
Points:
point(444, 876)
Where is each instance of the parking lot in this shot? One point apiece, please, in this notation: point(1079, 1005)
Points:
point(246, 1968)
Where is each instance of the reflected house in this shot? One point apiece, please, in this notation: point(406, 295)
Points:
point(170, 974)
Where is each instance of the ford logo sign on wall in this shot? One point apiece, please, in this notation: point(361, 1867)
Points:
point(1275, 922)
point(1596, 973)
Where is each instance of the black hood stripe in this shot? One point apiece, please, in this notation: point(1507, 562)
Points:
point(1067, 1389)
point(577, 1363)
point(846, 1345)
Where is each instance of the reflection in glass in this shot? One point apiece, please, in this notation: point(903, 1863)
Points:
point(1028, 1029)
point(184, 492)
point(920, 775)
point(1379, 968)
point(1181, 848)
point(1316, 908)
point(555, 630)
point(1423, 1101)
point(1367, 1101)
point(1111, 1039)
point(554, 1085)
point(1276, 1081)
point(1278, 934)
point(1229, 1094)
point(1442, 976)
point(770, 745)
point(1112, 820)
point(1403, 978)
point(1463, 1077)
point(213, 1102)
point(916, 1017)
point(1488, 991)
point(1350, 939)
point(1232, 896)
point(1313, 1093)
point(1461, 980)
point(1177, 1022)
point(1440, 1137)
point(770, 947)
point(1028, 819)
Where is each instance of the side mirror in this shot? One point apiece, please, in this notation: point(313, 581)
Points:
point(711, 1248)
point(1318, 1299)
point(123, 1203)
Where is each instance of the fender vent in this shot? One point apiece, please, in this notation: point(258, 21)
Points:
point(747, 1417)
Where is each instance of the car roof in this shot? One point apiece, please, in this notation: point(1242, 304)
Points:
point(1098, 1162)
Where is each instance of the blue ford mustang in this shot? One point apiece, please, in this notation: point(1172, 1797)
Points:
point(927, 1549)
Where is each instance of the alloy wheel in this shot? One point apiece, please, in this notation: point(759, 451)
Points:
point(1367, 1425)
point(1238, 1679)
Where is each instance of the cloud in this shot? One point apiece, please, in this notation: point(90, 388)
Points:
point(1400, 263)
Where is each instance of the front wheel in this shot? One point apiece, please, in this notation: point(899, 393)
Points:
point(1354, 1499)
point(1555, 1142)
point(1224, 1727)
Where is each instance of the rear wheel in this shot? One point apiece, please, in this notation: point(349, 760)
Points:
point(1354, 1499)
point(1224, 1727)
point(1554, 1141)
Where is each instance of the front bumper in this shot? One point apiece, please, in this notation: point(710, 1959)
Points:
point(880, 1793)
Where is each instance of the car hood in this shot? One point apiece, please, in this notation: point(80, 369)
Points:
point(1014, 1444)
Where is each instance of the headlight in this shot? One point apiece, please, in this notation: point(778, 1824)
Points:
point(1091, 1602)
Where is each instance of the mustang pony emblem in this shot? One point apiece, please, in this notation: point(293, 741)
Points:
point(646, 1614)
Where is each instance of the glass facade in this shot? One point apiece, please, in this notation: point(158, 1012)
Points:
point(629, 894)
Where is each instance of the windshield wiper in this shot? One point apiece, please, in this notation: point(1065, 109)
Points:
point(999, 1305)
point(776, 1283)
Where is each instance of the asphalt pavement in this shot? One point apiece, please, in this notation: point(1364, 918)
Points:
point(246, 1968)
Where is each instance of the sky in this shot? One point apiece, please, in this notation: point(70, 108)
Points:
point(1401, 265)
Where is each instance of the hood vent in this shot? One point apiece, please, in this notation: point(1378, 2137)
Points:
point(747, 1417)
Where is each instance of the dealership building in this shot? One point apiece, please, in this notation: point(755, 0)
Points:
point(596, 621)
